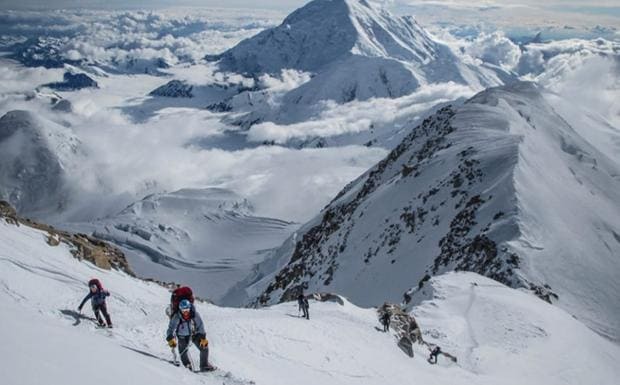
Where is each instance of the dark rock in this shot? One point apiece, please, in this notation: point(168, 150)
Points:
point(73, 82)
point(174, 89)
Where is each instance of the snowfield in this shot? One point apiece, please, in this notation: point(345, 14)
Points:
point(208, 238)
point(500, 335)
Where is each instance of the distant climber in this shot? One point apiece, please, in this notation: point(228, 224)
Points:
point(179, 294)
point(434, 353)
point(187, 326)
point(97, 295)
point(304, 306)
point(385, 321)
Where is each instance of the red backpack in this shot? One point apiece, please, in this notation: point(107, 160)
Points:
point(180, 294)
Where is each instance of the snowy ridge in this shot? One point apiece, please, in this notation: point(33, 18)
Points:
point(498, 334)
point(496, 186)
point(208, 238)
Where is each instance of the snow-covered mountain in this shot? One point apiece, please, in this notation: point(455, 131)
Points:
point(36, 156)
point(499, 335)
point(357, 51)
point(502, 186)
point(207, 238)
point(352, 51)
point(41, 52)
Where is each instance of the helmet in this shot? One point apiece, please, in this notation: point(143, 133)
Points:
point(185, 305)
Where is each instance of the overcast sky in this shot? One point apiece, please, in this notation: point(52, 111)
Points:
point(285, 4)
point(507, 12)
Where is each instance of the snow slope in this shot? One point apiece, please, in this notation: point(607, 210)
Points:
point(207, 238)
point(501, 185)
point(496, 331)
point(500, 336)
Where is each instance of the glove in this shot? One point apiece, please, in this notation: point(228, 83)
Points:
point(172, 343)
point(203, 343)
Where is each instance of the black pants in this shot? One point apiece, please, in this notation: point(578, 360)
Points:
point(386, 326)
point(184, 347)
point(103, 309)
point(306, 312)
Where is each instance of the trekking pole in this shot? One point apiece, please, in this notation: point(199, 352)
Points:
point(189, 357)
point(186, 350)
point(175, 358)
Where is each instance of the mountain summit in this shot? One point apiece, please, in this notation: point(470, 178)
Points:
point(356, 51)
point(324, 31)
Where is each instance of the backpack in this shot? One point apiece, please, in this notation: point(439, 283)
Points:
point(180, 294)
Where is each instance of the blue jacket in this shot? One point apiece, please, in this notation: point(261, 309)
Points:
point(182, 328)
point(97, 298)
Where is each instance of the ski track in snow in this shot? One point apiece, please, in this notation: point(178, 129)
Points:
point(472, 334)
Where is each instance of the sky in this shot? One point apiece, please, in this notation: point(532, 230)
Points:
point(504, 13)
point(286, 5)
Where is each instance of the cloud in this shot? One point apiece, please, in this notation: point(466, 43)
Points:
point(591, 82)
point(545, 61)
point(17, 79)
point(359, 116)
point(532, 61)
point(126, 161)
point(120, 38)
point(496, 49)
point(137, 159)
point(521, 18)
point(289, 79)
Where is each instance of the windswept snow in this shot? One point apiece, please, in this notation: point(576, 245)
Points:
point(43, 342)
